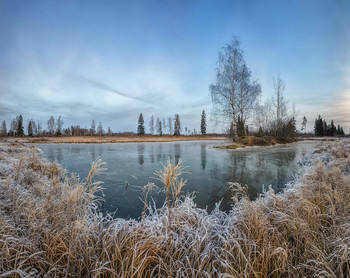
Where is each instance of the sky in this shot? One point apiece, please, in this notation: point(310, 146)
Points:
point(111, 60)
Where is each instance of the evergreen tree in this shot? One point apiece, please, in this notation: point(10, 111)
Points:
point(20, 130)
point(291, 128)
point(342, 131)
point(177, 125)
point(141, 127)
point(318, 127)
point(159, 127)
point(325, 128)
point(203, 124)
point(303, 124)
point(30, 129)
point(338, 130)
point(332, 129)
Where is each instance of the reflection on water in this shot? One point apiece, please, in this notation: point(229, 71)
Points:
point(131, 165)
point(151, 153)
point(141, 151)
point(177, 152)
point(159, 152)
point(203, 155)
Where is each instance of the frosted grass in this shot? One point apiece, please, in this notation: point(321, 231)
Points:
point(49, 226)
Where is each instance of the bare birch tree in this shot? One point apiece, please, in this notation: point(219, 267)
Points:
point(170, 125)
point(3, 129)
point(151, 125)
point(248, 97)
point(164, 125)
point(93, 128)
point(51, 125)
point(59, 126)
point(228, 78)
point(279, 103)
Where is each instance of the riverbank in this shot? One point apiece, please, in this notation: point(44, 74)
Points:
point(109, 139)
point(251, 141)
point(49, 226)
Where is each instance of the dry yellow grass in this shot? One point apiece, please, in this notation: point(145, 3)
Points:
point(111, 139)
point(49, 226)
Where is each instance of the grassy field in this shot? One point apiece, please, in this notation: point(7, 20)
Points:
point(49, 225)
point(112, 139)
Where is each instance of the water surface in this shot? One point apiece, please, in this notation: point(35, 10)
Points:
point(132, 165)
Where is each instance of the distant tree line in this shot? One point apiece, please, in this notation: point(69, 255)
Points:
point(54, 128)
point(323, 129)
point(160, 127)
point(170, 127)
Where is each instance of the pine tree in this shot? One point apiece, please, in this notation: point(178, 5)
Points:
point(342, 131)
point(20, 130)
point(30, 129)
point(177, 125)
point(332, 129)
point(291, 128)
point(141, 127)
point(203, 124)
point(159, 127)
point(325, 128)
point(338, 130)
point(318, 126)
point(303, 124)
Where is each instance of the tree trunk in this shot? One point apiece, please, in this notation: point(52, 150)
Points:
point(242, 114)
point(234, 135)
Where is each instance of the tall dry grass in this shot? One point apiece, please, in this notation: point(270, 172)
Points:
point(49, 226)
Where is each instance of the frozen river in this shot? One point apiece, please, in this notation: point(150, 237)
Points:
point(210, 169)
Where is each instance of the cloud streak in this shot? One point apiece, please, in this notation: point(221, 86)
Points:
point(104, 87)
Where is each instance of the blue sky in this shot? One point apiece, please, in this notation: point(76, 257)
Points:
point(111, 60)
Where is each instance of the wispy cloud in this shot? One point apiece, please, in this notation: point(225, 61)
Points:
point(105, 87)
